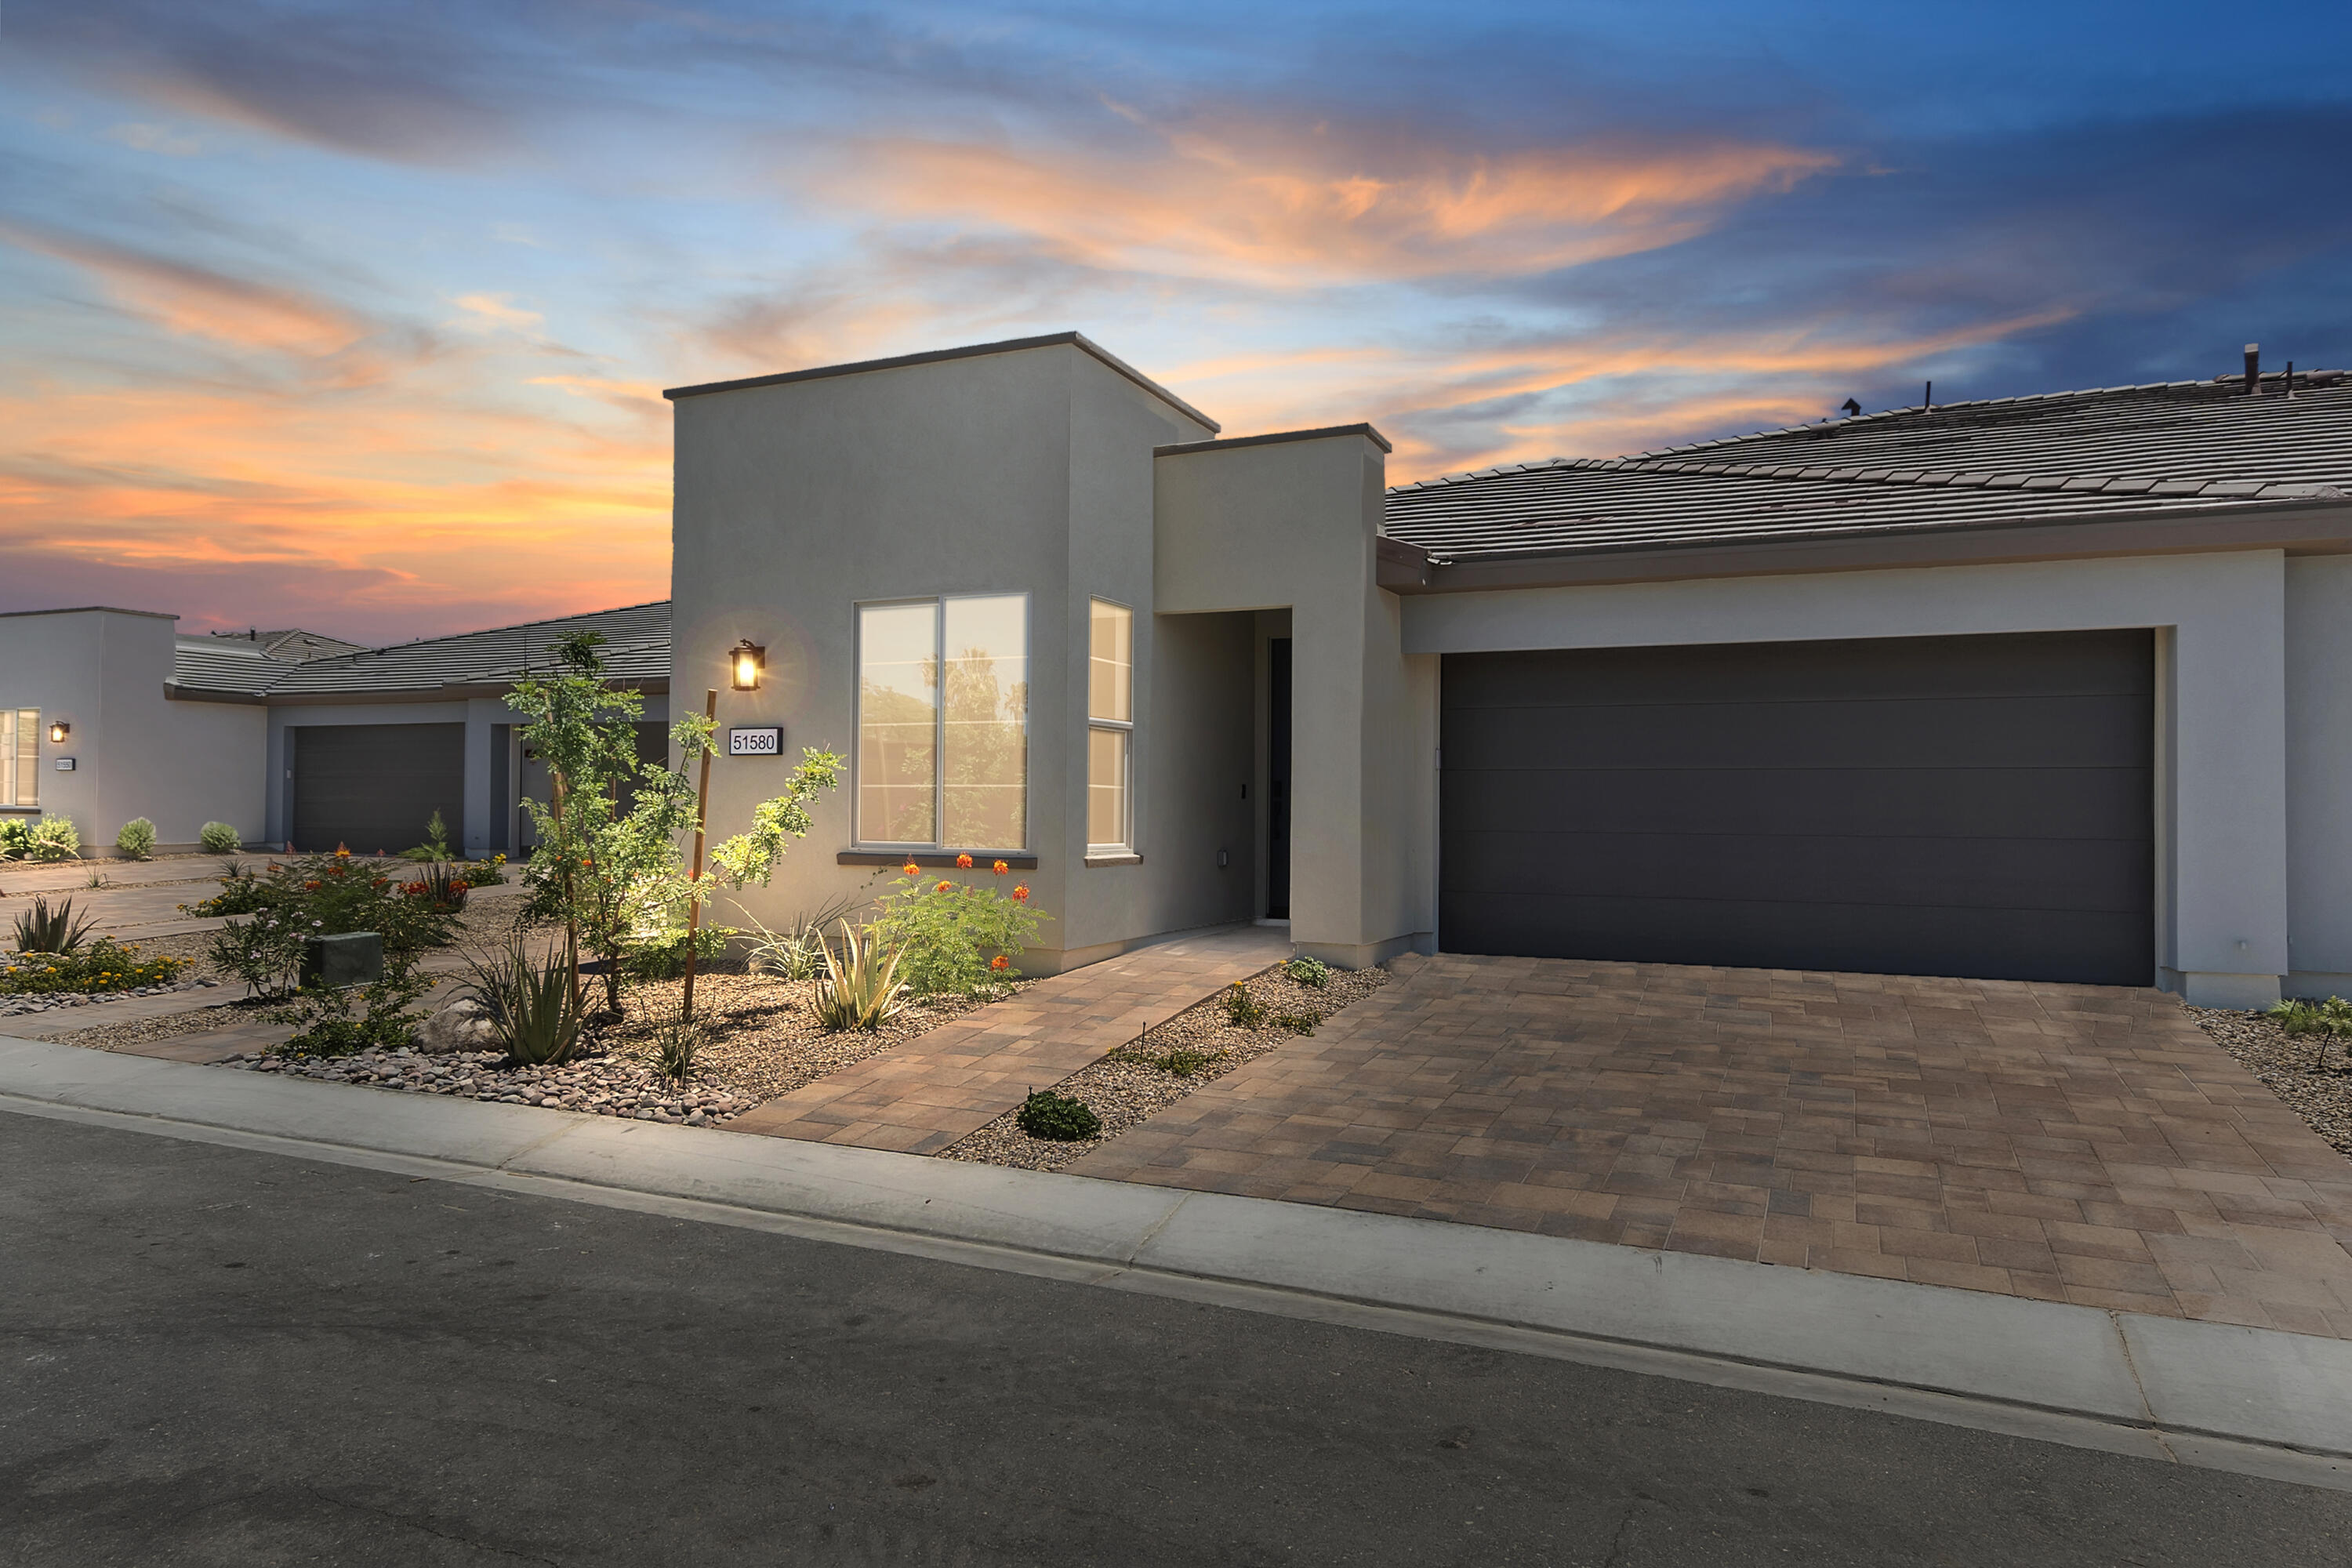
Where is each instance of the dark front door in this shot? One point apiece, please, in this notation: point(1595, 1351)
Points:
point(1278, 794)
point(1977, 806)
point(373, 786)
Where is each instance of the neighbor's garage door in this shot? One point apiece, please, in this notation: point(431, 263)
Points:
point(1977, 806)
point(373, 786)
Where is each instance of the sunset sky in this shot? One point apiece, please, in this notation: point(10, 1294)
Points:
point(355, 316)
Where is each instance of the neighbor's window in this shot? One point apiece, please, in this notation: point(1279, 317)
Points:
point(943, 723)
point(1111, 725)
point(20, 756)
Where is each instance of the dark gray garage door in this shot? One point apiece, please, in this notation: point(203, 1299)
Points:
point(1971, 806)
point(373, 786)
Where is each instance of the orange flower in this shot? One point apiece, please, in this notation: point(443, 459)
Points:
point(964, 862)
point(999, 962)
point(912, 868)
point(310, 887)
point(1001, 867)
point(943, 887)
point(1021, 893)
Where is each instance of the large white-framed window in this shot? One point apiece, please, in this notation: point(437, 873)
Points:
point(20, 757)
point(1110, 728)
point(943, 723)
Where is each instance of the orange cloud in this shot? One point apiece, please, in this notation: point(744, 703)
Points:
point(194, 301)
point(1282, 209)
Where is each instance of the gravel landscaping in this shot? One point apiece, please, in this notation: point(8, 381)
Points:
point(1136, 1081)
point(597, 1086)
point(2321, 1096)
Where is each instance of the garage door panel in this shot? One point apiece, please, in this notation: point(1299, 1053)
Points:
point(375, 786)
point(2039, 803)
point(2050, 731)
point(1907, 668)
point(2109, 949)
point(1975, 806)
point(2091, 875)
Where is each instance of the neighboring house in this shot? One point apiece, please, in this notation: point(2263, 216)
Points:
point(288, 736)
point(2043, 688)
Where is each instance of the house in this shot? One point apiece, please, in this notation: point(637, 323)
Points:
point(2042, 688)
point(289, 736)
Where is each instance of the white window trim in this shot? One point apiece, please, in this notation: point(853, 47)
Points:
point(16, 781)
point(1124, 851)
point(939, 602)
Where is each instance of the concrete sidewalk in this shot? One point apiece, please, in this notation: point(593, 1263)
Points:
point(2253, 1400)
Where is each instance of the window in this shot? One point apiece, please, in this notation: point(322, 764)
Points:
point(943, 723)
point(20, 756)
point(1110, 726)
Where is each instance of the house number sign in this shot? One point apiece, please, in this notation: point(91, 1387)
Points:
point(764, 742)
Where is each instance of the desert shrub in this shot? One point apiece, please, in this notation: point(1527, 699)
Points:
point(1296, 1022)
point(53, 838)
point(486, 873)
point(42, 929)
point(241, 893)
point(103, 965)
point(2323, 1021)
point(1183, 1061)
point(15, 837)
point(219, 838)
point(1058, 1118)
point(137, 839)
point(796, 952)
point(332, 1022)
point(1312, 973)
point(861, 988)
point(531, 1003)
point(1243, 1008)
point(664, 957)
point(436, 841)
point(955, 936)
point(322, 895)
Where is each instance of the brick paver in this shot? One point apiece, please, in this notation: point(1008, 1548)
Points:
point(924, 1095)
point(2079, 1143)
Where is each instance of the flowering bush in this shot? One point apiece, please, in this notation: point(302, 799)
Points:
point(104, 965)
point(319, 894)
point(958, 937)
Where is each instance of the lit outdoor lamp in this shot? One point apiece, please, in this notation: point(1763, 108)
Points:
point(59, 731)
point(747, 658)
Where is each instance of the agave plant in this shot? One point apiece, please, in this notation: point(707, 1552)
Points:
point(46, 930)
point(861, 988)
point(531, 1003)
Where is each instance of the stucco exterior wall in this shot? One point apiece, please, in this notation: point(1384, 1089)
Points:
point(2319, 774)
point(179, 764)
point(1027, 472)
point(2224, 915)
point(1292, 524)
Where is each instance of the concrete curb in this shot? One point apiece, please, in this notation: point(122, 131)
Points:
point(2144, 1381)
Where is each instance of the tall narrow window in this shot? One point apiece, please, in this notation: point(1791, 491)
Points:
point(1110, 726)
point(943, 723)
point(20, 756)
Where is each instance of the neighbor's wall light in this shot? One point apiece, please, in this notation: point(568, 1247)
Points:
point(59, 731)
point(747, 659)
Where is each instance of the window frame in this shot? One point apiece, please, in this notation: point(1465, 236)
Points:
point(20, 760)
point(1124, 728)
point(939, 603)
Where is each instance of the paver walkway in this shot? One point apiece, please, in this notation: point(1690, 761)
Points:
point(924, 1095)
point(2079, 1143)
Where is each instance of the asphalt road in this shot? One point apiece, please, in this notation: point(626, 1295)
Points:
point(213, 1357)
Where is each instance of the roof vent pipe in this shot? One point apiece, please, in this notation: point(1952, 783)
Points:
point(1928, 397)
point(2254, 369)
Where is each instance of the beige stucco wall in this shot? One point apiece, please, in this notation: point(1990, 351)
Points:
point(179, 764)
point(1291, 525)
point(1028, 472)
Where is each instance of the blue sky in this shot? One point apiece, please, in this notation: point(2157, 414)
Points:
point(355, 316)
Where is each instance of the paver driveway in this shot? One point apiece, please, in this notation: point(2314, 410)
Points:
point(2080, 1144)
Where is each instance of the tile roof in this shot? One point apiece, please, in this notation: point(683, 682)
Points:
point(637, 649)
point(2054, 457)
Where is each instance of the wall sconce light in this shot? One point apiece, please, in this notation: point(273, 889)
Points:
point(747, 658)
point(59, 731)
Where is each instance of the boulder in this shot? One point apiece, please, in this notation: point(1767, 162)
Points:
point(463, 1026)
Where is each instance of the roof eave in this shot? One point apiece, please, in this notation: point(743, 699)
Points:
point(2298, 528)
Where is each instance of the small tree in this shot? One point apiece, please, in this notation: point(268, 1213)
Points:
point(608, 861)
